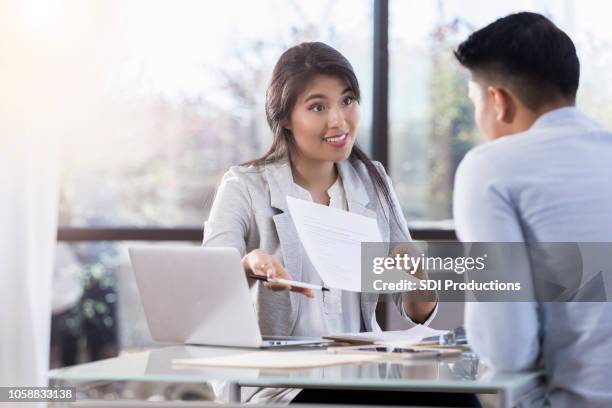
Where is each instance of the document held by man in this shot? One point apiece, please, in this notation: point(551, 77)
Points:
point(332, 239)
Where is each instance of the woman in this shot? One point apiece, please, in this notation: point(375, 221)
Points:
point(312, 108)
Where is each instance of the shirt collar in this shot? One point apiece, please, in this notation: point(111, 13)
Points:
point(334, 191)
point(556, 117)
point(280, 181)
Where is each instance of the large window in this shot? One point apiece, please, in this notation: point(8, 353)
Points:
point(183, 99)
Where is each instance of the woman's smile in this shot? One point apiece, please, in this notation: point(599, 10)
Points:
point(338, 141)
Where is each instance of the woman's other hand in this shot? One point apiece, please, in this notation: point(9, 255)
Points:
point(418, 304)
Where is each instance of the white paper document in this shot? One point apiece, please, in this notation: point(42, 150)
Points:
point(332, 239)
point(411, 336)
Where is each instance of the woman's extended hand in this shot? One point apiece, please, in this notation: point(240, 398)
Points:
point(259, 262)
point(418, 304)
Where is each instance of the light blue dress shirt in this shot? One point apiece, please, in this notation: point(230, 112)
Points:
point(552, 183)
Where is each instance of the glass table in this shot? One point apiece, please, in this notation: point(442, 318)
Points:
point(453, 374)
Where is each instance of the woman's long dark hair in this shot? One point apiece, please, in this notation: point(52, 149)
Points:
point(292, 73)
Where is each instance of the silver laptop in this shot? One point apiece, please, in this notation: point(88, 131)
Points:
point(199, 295)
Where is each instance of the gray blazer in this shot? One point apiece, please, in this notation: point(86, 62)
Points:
point(250, 211)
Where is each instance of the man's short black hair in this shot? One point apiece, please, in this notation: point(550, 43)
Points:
point(528, 53)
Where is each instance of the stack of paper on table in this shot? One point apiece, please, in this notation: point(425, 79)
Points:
point(408, 337)
point(276, 360)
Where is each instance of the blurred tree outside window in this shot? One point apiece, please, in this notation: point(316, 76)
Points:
point(183, 100)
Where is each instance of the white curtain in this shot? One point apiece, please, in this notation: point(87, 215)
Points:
point(29, 139)
point(28, 218)
point(55, 59)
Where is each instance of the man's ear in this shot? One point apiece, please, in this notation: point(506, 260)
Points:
point(503, 103)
